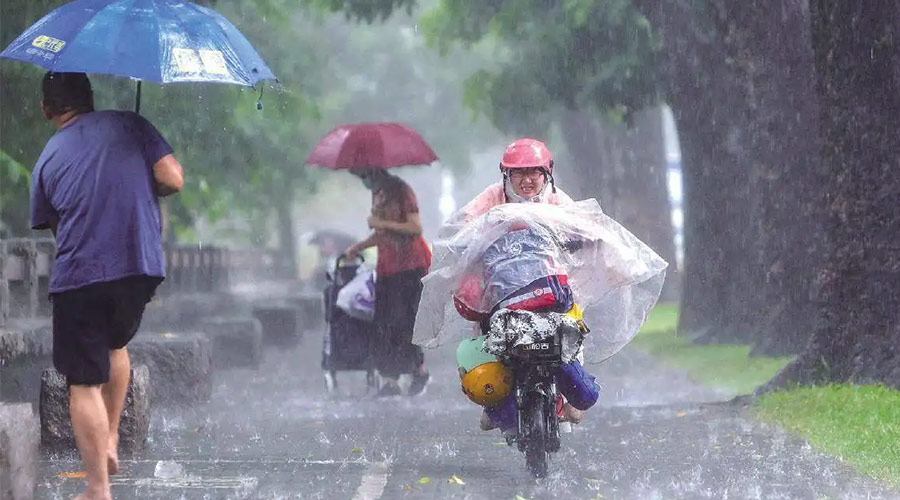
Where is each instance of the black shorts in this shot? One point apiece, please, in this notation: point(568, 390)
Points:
point(90, 321)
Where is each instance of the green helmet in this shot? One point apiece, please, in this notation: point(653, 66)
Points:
point(470, 354)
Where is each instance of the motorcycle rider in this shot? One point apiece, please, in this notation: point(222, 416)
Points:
point(527, 177)
point(527, 173)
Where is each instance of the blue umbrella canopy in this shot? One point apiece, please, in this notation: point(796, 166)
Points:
point(156, 40)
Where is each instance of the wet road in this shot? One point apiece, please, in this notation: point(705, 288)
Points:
point(271, 434)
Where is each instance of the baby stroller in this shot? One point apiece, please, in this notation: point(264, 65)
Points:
point(346, 344)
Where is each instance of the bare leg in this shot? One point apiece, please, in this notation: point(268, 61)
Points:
point(91, 427)
point(114, 393)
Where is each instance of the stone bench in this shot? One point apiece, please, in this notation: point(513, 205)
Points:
point(311, 307)
point(280, 323)
point(180, 365)
point(26, 348)
point(236, 341)
point(184, 310)
point(56, 425)
point(19, 451)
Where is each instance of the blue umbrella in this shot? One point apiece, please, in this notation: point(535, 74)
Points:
point(157, 40)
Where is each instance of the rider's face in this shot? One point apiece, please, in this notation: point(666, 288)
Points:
point(527, 182)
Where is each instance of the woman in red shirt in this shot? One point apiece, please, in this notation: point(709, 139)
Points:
point(403, 260)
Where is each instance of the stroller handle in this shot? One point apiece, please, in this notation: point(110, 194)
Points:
point(343, 258)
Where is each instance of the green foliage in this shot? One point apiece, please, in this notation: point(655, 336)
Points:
point(575, 54)
point(364, 10)
point(13, 172)
point(23, 129)
point(860, 424)
point(15, 182)
point(239, 162)
point(386, 72)
point(726, 367)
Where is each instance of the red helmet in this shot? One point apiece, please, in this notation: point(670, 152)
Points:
point(527, 153)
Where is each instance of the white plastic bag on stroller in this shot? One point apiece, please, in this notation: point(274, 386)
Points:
point(357, 298)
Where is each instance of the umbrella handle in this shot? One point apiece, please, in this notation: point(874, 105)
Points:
point(137, 98)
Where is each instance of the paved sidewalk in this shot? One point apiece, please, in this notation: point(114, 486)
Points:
point(272, 434)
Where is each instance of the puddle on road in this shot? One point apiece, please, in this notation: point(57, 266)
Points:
point(213, 479)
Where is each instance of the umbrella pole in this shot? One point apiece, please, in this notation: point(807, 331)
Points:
point(137, 98)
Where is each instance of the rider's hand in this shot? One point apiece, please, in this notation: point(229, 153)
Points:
point(573, 245)
point(352, 252)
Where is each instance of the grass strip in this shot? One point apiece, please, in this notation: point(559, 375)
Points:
point(858, 423)
point(726, 367)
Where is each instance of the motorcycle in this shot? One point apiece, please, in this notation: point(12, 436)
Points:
point(494, 267)
point(534, 355)
point(537, 432)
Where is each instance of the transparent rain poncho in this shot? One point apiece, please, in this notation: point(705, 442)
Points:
point(614, 277)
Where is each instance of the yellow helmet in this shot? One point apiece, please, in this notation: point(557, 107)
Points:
point(487, 384)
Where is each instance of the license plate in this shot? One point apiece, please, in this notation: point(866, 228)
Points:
point(538, 350)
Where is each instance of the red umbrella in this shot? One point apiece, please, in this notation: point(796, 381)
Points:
point(371, 145)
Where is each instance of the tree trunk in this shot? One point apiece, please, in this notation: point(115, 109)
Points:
point(639, 188)
point(590, 168)
point(774, 54)
point(625, 168)
point(711, 116)
point(858, 82)
point(287, 242)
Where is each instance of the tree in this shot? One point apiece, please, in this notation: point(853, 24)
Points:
point(703, 89)
point(740, 74)
point(857, 51)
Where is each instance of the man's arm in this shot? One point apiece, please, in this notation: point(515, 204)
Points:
point(169, 175)
point(43, 215)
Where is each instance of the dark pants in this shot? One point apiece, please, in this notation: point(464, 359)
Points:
point(396, 302)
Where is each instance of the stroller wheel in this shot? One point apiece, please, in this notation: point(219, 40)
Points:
point(372, 380)
point(330, 382)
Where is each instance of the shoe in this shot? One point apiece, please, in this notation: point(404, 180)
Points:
point(571, 414)
point(418, 384)
point(389, 389)
point(511, 436)
point(486, 424)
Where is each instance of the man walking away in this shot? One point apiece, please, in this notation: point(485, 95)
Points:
point(96, 186)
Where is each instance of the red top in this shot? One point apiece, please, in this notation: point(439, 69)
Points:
point(394, 200)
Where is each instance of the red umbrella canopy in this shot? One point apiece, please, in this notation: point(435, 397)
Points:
point(371, 145)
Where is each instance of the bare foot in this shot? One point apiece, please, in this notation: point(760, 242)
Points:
point(112, 457)
point(112, 463)
point(572, 414)
point(486, 423)
point(85, 496)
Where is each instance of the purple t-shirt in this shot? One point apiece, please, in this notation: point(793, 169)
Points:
point(95, 178)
